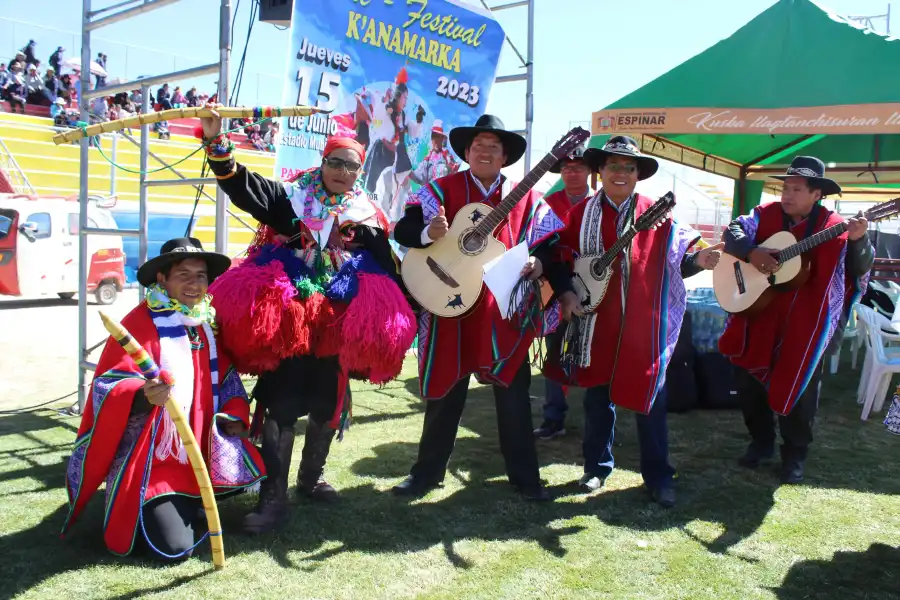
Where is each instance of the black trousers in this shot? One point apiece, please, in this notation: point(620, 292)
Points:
point(796, 428)
point(173, 524)
point(513, 423)
point(299, 386)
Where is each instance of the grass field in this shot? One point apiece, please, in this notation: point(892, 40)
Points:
point(734, 534)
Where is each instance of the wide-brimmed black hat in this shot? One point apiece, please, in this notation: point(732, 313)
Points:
point(513, 143)
point(576, 154)
point(812, 169)
point(180, 249)
point(622, 145)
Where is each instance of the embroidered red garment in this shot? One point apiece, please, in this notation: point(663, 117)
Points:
point(630, 351)
point(782, 346)
point(481, 342)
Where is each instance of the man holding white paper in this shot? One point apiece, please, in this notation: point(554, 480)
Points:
point(483, 342)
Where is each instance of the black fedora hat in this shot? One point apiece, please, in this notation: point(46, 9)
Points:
point(513, 143)
point(622, 145)
point(576, 154)
point(180, 249)
point(813, 170)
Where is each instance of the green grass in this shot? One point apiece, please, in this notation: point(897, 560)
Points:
point(734, 534)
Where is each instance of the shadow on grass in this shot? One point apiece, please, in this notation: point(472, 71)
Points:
point(866, 575)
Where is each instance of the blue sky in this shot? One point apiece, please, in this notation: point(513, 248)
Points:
point(588, 53)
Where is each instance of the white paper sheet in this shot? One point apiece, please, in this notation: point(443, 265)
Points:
point(502, 274)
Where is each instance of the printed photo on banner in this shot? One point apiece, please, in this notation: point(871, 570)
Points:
point(394, 75)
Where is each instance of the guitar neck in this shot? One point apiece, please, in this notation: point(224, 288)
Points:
point(811, 242)
point(610, 255)
point(496, 216)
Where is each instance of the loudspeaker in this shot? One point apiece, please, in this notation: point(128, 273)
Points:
point(277, 12)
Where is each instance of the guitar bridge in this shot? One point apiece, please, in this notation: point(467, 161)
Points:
point(440, 273)
point(739, 277)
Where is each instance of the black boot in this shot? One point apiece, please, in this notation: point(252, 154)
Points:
point(755, 454)
point(792, 464)
point(270, 511)
point(310, 482)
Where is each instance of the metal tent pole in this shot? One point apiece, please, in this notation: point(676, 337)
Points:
point(84, 173)
point(529, 86)
point(143, 213)
point(224, 58)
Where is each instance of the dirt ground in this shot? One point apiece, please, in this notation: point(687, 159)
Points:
point(39, 346)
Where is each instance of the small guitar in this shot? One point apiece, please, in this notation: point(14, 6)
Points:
point(741, 288)
point(593, 271)
point(446, 278)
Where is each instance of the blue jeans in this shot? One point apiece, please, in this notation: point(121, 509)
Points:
point(653, 437)
point(555, 406)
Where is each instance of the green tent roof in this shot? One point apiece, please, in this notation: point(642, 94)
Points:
point(795, 54)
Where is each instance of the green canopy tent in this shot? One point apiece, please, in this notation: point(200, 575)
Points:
point(796, 79)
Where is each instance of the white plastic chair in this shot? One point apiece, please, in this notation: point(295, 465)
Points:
point(851, 333)
point(881, 362)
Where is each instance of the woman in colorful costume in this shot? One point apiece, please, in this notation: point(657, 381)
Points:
point(150, 485)
point(309, 314)
point(620, 350)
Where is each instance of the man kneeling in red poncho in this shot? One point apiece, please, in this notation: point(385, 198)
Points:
point(129, 441)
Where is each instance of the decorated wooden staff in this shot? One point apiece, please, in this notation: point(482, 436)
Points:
point(226, 112)
point(150, 370)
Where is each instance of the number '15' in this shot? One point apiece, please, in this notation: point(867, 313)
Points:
point(329, 83)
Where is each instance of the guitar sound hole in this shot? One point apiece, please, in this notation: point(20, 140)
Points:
point(597, 269)
point(472, 242)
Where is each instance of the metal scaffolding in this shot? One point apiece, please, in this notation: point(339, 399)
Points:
point(528, 64)
point(91, 20)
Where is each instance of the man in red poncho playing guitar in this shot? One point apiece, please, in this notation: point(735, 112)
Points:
point(779, 350)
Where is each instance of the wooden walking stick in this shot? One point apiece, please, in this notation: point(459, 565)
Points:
point(150, 370)
point(226, 112)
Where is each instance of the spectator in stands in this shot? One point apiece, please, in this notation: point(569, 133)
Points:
point(163, 97)
point(4, 79)
point(138, 98)
point(273, 136)
point(101, 60)
point(178, 99)
point(51, 86)
point(192, 98)
point(256, 138)
point(16, 92)
point(35, 86)
point(56, 59)
point(65, 88)
point(18, 60)
point(99, 110)
point(28, 52)
point(58, 112)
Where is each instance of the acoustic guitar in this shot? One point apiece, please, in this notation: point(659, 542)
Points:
point(741, 288)
point(446, 278)
point(593, 271)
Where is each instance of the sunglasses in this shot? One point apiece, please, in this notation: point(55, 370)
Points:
point(339, 163)
point(620, 168)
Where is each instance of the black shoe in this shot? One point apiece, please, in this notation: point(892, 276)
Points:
point(591, 483)
point(664, 496)
point(792, 471)
point(535, 493)
point(755, 454)
point(414, 486)
point(549, 430)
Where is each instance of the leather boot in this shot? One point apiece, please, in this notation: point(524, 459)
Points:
point(270, 511)
point(792, 465)
point(310, 482)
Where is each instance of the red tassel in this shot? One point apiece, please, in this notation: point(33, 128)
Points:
point(166, 377)
point(377, 330)
point(328, 340)
point(198, 132)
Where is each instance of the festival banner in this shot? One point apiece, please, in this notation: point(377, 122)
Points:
point(808, 120)
point(396, 75)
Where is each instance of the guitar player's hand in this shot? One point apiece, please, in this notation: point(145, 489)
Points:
point(857, 227)
point(532, 269)
point(763, 260)
point(438, 226)
point(708, 258)
point(570, 305)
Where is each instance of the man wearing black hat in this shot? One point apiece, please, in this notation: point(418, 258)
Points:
point(482, 342)
point(575, 173)
point(621, 349)
point(151, 487)
point(779, 351)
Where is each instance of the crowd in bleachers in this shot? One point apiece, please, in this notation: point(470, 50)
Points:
point(21, 85)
